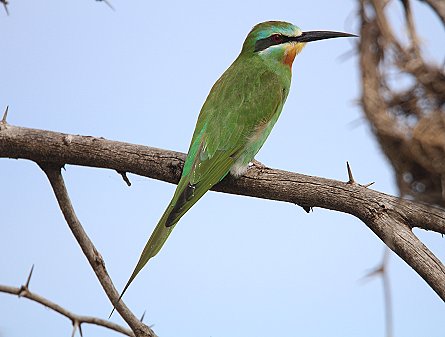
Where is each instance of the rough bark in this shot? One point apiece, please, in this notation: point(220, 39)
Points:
point(390, 218)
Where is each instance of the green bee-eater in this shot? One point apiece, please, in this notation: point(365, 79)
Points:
point(235, 120)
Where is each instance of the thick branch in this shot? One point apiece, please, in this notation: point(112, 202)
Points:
point(388, 217)
point(75, 319)
point(94, 258)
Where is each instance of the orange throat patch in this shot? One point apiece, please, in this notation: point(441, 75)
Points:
point(291, 51)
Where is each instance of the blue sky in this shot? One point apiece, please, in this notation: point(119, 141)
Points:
point(234, 266)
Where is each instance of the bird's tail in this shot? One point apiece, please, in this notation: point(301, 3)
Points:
point(152, 247)
point(184, 198)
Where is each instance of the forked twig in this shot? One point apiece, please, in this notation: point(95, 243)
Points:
point(94, 258)
point(77, 320)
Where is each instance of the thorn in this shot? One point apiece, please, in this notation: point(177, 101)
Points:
point(5, 115)
point(80, 330)
point(374, 272)
point(380, 269)
point(351, 180)
point(108, 4)
point(24, 288)
point(143, 315)
point(124, 176)
point(29, 277)
point(368, 184)
point(307, 209)
point(256, 163)
point(5, 5)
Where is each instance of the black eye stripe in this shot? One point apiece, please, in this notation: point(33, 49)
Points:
point(272, 40)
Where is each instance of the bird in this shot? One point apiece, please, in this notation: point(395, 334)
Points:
point(235, 119)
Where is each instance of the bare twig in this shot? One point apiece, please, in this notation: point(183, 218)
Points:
point(94, 258)
point(382, 271)
point(125, 178)
point(77, 320)
point(390, 218)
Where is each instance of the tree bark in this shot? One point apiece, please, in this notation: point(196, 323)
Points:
point(389, 217)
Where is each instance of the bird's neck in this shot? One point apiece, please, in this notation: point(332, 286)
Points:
point(281, 66)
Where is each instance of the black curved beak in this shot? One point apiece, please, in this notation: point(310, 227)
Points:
point(319, 35)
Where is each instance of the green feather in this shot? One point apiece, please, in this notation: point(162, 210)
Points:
point(235, 120)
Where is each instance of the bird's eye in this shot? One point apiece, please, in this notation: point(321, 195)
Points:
point(277, 38)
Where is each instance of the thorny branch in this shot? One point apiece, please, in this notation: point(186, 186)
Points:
point(93, 256)
point(390, 218)
point(76, 320)
point(415, 154)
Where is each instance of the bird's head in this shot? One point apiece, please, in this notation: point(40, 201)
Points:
point(281, 41)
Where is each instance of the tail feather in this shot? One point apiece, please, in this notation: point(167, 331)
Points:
point(154, 244)
point(186, 195)
point(182, 201)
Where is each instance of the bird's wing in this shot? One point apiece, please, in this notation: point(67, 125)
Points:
point(190, 189)
point(235, 105)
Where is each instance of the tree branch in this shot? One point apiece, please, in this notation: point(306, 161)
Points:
point(382, 271)
point(390, 218)
point(76, 320)
point(93, 256)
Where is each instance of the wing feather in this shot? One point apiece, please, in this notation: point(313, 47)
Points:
point(237, 103)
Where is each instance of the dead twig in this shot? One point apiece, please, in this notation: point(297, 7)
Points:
point(77, 320)
point(382, 271)
point(94, 258)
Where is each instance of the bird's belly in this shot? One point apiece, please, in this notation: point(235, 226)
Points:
point(239, 168)
point(253, 145)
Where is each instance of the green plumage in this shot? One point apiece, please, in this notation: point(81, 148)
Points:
point(234, 122)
